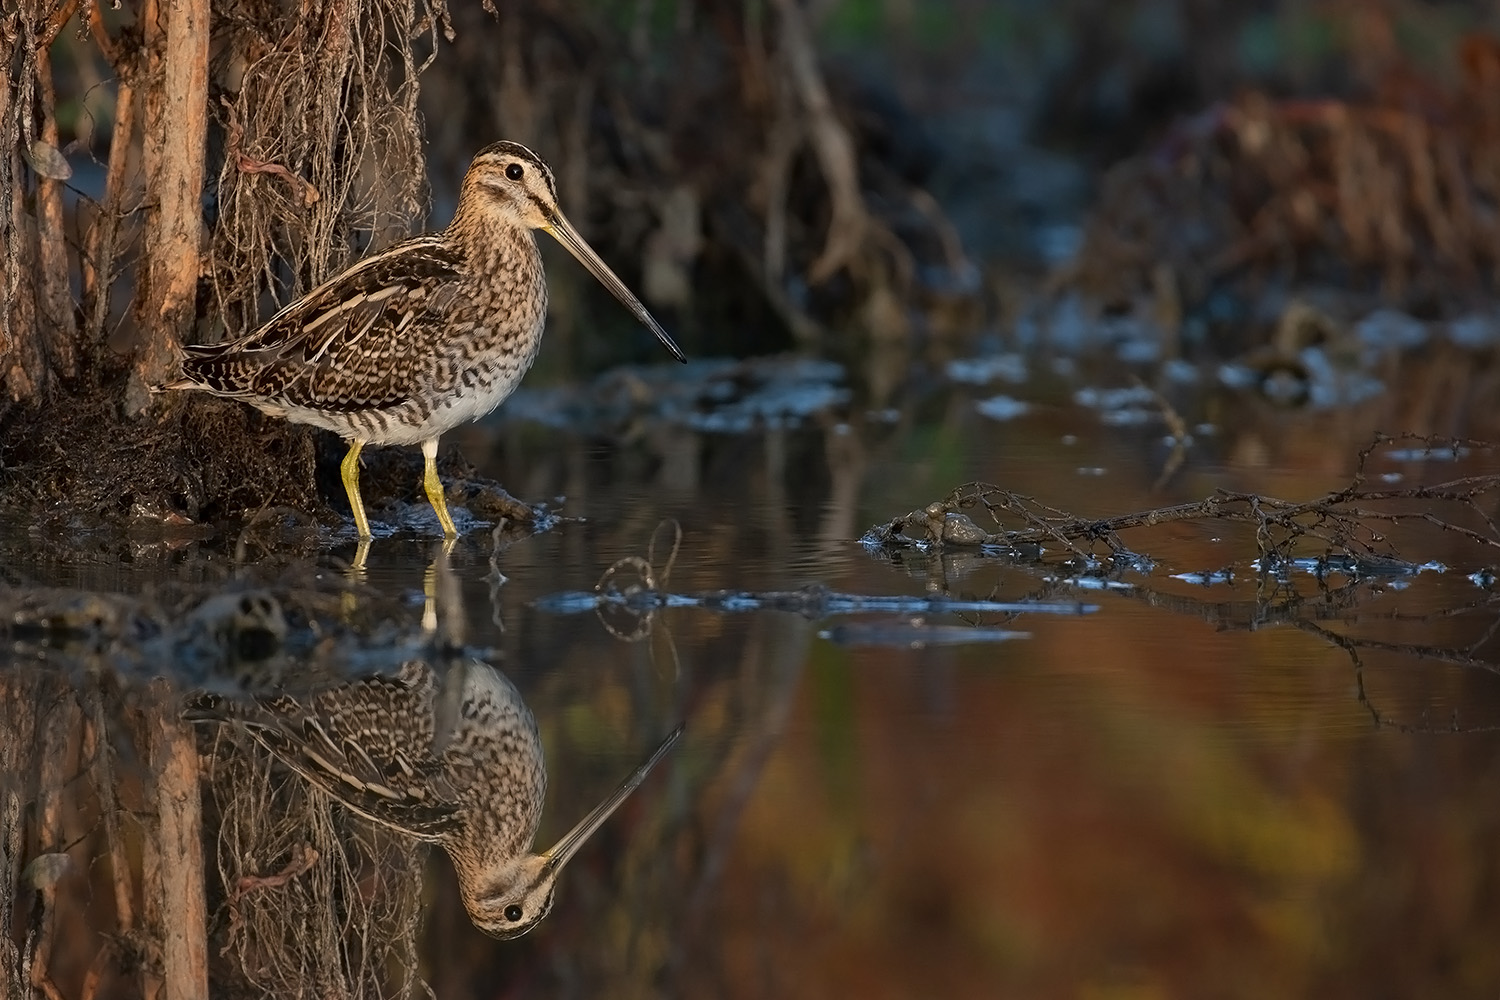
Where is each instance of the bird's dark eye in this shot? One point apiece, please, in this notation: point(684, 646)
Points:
point(513, 912)
point(514, 172)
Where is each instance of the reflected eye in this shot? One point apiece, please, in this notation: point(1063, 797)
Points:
point(514, 172)
point(513, 912)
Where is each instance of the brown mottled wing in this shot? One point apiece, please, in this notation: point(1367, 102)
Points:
point(368, 743)
point(366, 339)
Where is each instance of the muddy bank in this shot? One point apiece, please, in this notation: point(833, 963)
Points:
point(83, 472)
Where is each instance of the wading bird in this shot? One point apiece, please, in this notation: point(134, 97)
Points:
point(420, 338)
point(450, 756)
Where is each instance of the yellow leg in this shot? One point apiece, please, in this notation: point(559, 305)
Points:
point(434, 487)
point(348, 602)
point(435, 569)
point(350, 472)
point(429, 604)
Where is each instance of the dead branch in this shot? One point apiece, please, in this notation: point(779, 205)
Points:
point(99, 264)
point(173, 854)
point(25, 368)
point(1352, 521)
point(835, 149)
point(19, 702)
point(175, 129)
point(1354, 647)
point(56, 312)
point(102, 774)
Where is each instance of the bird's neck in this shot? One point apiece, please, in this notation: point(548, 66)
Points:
point(485, 868)
point(494, 244)
point(495, 834)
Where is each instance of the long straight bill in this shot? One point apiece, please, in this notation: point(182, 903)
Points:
point(562, 231)
point(574, 838)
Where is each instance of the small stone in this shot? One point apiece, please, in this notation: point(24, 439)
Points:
point(960, 529)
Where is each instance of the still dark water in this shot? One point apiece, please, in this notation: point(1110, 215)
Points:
point(1239, 789)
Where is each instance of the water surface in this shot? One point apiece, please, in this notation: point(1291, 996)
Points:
point(1245, 788)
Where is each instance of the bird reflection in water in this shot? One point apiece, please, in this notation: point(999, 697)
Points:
point(446, 753)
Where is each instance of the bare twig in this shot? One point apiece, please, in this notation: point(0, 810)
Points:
point(99, 262)
point(1352, 520)
point(55, 22)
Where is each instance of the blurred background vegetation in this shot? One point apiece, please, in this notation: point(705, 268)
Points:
point(827, 175)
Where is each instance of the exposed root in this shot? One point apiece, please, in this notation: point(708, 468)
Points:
point(322, 156)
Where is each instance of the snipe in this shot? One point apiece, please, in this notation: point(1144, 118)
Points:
point(420, 338)
point(446, 752)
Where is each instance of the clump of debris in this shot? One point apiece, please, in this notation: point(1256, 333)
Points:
point(1256, 202)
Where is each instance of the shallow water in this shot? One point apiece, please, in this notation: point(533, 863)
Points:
point(1227, 790)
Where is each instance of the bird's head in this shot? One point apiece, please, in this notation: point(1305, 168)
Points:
point(509, 186)
point(518, 900)
point(513, 186)
point(514, 898)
